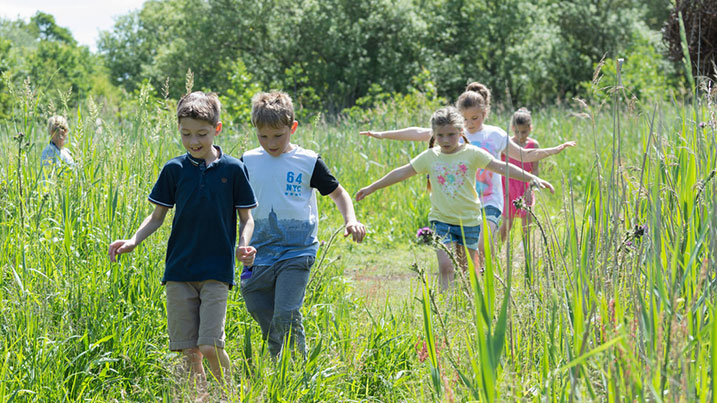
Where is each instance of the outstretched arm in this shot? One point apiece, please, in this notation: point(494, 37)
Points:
point(514, 172)
point(393, 177)
point(407, 134)
point(534, 154)
point(245, 253)
point(346, 207)
point(148, 226)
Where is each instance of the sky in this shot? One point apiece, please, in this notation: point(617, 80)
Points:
point(84, 18)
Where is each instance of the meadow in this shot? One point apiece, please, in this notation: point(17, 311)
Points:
point(613, 300)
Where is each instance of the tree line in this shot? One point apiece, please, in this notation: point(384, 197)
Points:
point(333, 54)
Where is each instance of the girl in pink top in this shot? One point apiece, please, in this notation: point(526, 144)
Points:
point(522, 125)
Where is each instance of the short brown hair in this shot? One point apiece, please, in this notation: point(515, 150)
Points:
point(273, 109)
point(200, 106)
point(475, 95)
point(57, 123)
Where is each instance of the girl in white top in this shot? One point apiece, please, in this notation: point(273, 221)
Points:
point(474, 105)
point(454, 201)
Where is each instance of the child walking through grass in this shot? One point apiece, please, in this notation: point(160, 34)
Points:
point(284, 176)
point(474, 105)
point(452, 167)
point(522, 126)
point(209, 189)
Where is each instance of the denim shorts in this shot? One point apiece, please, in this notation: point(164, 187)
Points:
point(492, 214)
point(452, 233)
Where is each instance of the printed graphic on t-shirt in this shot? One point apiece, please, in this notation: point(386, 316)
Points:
point(451, 176)
point(293, 184)
point(279, 234)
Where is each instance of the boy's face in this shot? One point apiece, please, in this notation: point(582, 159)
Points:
point(275, 141)
point(198, 137)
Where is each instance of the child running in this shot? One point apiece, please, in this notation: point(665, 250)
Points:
point(209, 189)
point(522, 125)
point(284, 176)
point(474, 105)
point(452, 167)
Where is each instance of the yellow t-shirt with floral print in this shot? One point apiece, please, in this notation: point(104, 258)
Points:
point(453, 194)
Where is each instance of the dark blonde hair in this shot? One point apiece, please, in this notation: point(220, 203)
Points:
point(57, 123)
point(273, 109)
point(521, 117)
point(475, 95)
point(200, 106)
point(448, 116)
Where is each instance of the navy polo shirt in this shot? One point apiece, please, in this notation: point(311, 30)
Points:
point(201, 244)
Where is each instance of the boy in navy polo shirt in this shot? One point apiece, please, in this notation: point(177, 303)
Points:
point(208, 188)
point(284, 177)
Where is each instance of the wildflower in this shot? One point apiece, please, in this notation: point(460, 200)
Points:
point(702, 125)
point(424, 236)
point(639, 231)
point(519, 203)
point(421, 351)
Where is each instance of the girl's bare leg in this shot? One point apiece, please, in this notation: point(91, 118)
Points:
point(446, 272)
point(493, 229)
point(477, 264)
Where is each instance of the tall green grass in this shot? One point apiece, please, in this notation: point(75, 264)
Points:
point(619, 303)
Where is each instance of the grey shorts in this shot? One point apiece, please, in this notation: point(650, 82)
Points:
point(196, 312)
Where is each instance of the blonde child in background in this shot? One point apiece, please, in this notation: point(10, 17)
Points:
point(474, 105)
point(452, 167)
point(55, 154)
point(522, 126)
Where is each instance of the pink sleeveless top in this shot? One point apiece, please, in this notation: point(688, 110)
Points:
point(518, 188)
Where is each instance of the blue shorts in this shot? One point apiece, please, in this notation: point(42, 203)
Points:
point(452, 233)
point(492, 214)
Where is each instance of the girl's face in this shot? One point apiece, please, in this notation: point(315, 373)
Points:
point(473, 118)
point(59, 137)
point(447, 137)
point(522, 132)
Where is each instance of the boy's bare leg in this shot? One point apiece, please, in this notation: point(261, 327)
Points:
point(193, 362)
point(446, 272)
point(219, 362)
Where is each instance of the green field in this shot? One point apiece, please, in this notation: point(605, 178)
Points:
point(616, 305)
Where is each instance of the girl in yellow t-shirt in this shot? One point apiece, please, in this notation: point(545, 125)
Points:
point(452, 166)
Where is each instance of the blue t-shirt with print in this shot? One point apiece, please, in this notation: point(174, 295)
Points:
point(201, 244)
point(286, 220)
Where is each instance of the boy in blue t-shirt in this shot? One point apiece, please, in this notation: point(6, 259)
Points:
point(208, 188)
point(284, 177)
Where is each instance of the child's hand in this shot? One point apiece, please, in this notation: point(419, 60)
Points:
point(363, 192)
point(246, 255)
point(542, 184)
point(356, 229)
point(376, 135)
point(566, 145)
point(120, 246)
